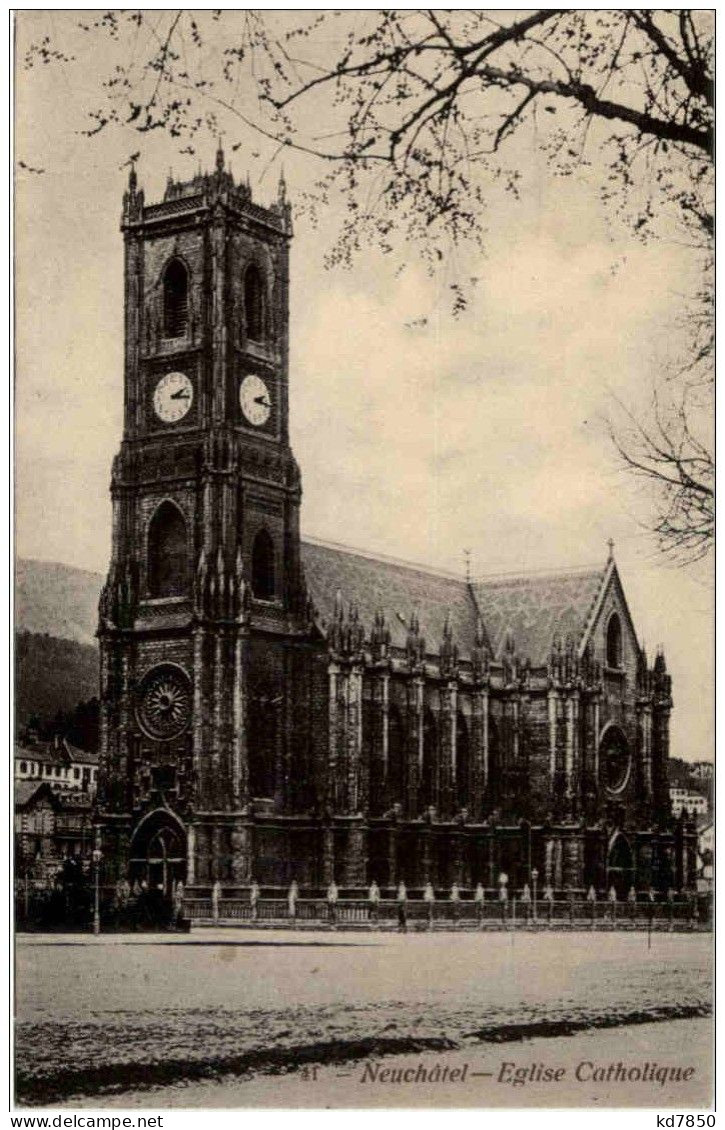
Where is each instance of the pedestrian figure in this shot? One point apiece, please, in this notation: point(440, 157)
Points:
point(332, 902)
point(455, 898)
point(478, 899)
point(178, 903)
point(374, 901)
point(402, 898)
point(216, 894)
point(548, 897)
point(632, 900)
point(429, 899)
point(292, 897)
point(526, 900)
point(503, 895)
point(612, 896)
point(254, 899)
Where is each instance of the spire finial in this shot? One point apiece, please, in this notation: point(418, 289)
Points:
point(282, 188)
point(132, 181)
point(219, 156)
point(467, 560)
point(610, 543)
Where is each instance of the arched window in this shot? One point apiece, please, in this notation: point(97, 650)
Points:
point(493, 785)
point(167, 552)
point(429, 772)
point(263, 724)
point(463, 763)
point(176, 299)
point(614, 641)
point(396, 757)
point(263, 566)
point(254, 302)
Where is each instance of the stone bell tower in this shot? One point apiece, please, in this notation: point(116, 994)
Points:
point(204, 590)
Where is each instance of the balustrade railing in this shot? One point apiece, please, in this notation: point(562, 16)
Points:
point(575, 912)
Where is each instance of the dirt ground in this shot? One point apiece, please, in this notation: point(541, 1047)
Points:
point(231, 1018)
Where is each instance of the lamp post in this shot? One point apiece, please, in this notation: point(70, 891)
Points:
point(534, 880)
point(97, 857)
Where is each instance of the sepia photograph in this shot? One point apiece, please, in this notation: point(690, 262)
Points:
point(364, 699)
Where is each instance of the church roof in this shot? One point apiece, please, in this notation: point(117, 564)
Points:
point(534, 608)
point(537, 607)
point(397, 589)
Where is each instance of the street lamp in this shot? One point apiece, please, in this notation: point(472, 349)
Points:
point(534, 880)
point(97, 857)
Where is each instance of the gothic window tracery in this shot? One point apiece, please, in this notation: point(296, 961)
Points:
point(263, 727)
point(263, 579)
point(254, 304)
point(615, 759)
point(176, 299)
point(463, 762)
point(429, 773)
point(396, 760)
point(167, 552)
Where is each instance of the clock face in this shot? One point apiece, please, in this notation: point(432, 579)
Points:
point(255, 400)
point(173, 397)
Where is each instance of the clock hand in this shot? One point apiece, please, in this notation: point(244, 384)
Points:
point(261, 400)
point(182, 394)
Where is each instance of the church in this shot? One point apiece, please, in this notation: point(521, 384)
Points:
point(278, 709)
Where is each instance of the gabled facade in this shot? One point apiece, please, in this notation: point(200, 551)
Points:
point(274, 709)
point(58, 764)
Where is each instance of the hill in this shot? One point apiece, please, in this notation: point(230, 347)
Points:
point(52, 675)
point(57, 600)
point(56, 656)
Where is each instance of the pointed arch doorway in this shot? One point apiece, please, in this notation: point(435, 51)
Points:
point(158, 852)
point(620, 865)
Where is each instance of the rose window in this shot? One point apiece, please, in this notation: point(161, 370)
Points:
point(164, 708)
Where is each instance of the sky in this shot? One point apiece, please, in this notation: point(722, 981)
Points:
point(419, 435)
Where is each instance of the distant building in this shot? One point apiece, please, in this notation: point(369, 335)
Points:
point(58, 764)
point(705, 855)
point(50, 827)
point(684, 798)
point(703, 770)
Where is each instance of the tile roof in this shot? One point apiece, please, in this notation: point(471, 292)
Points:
point(81, 756)
point(536, 607)
point(44, 754)
point(533, 607)
point(397, 589)
point(50, 754)
point(26, 790)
